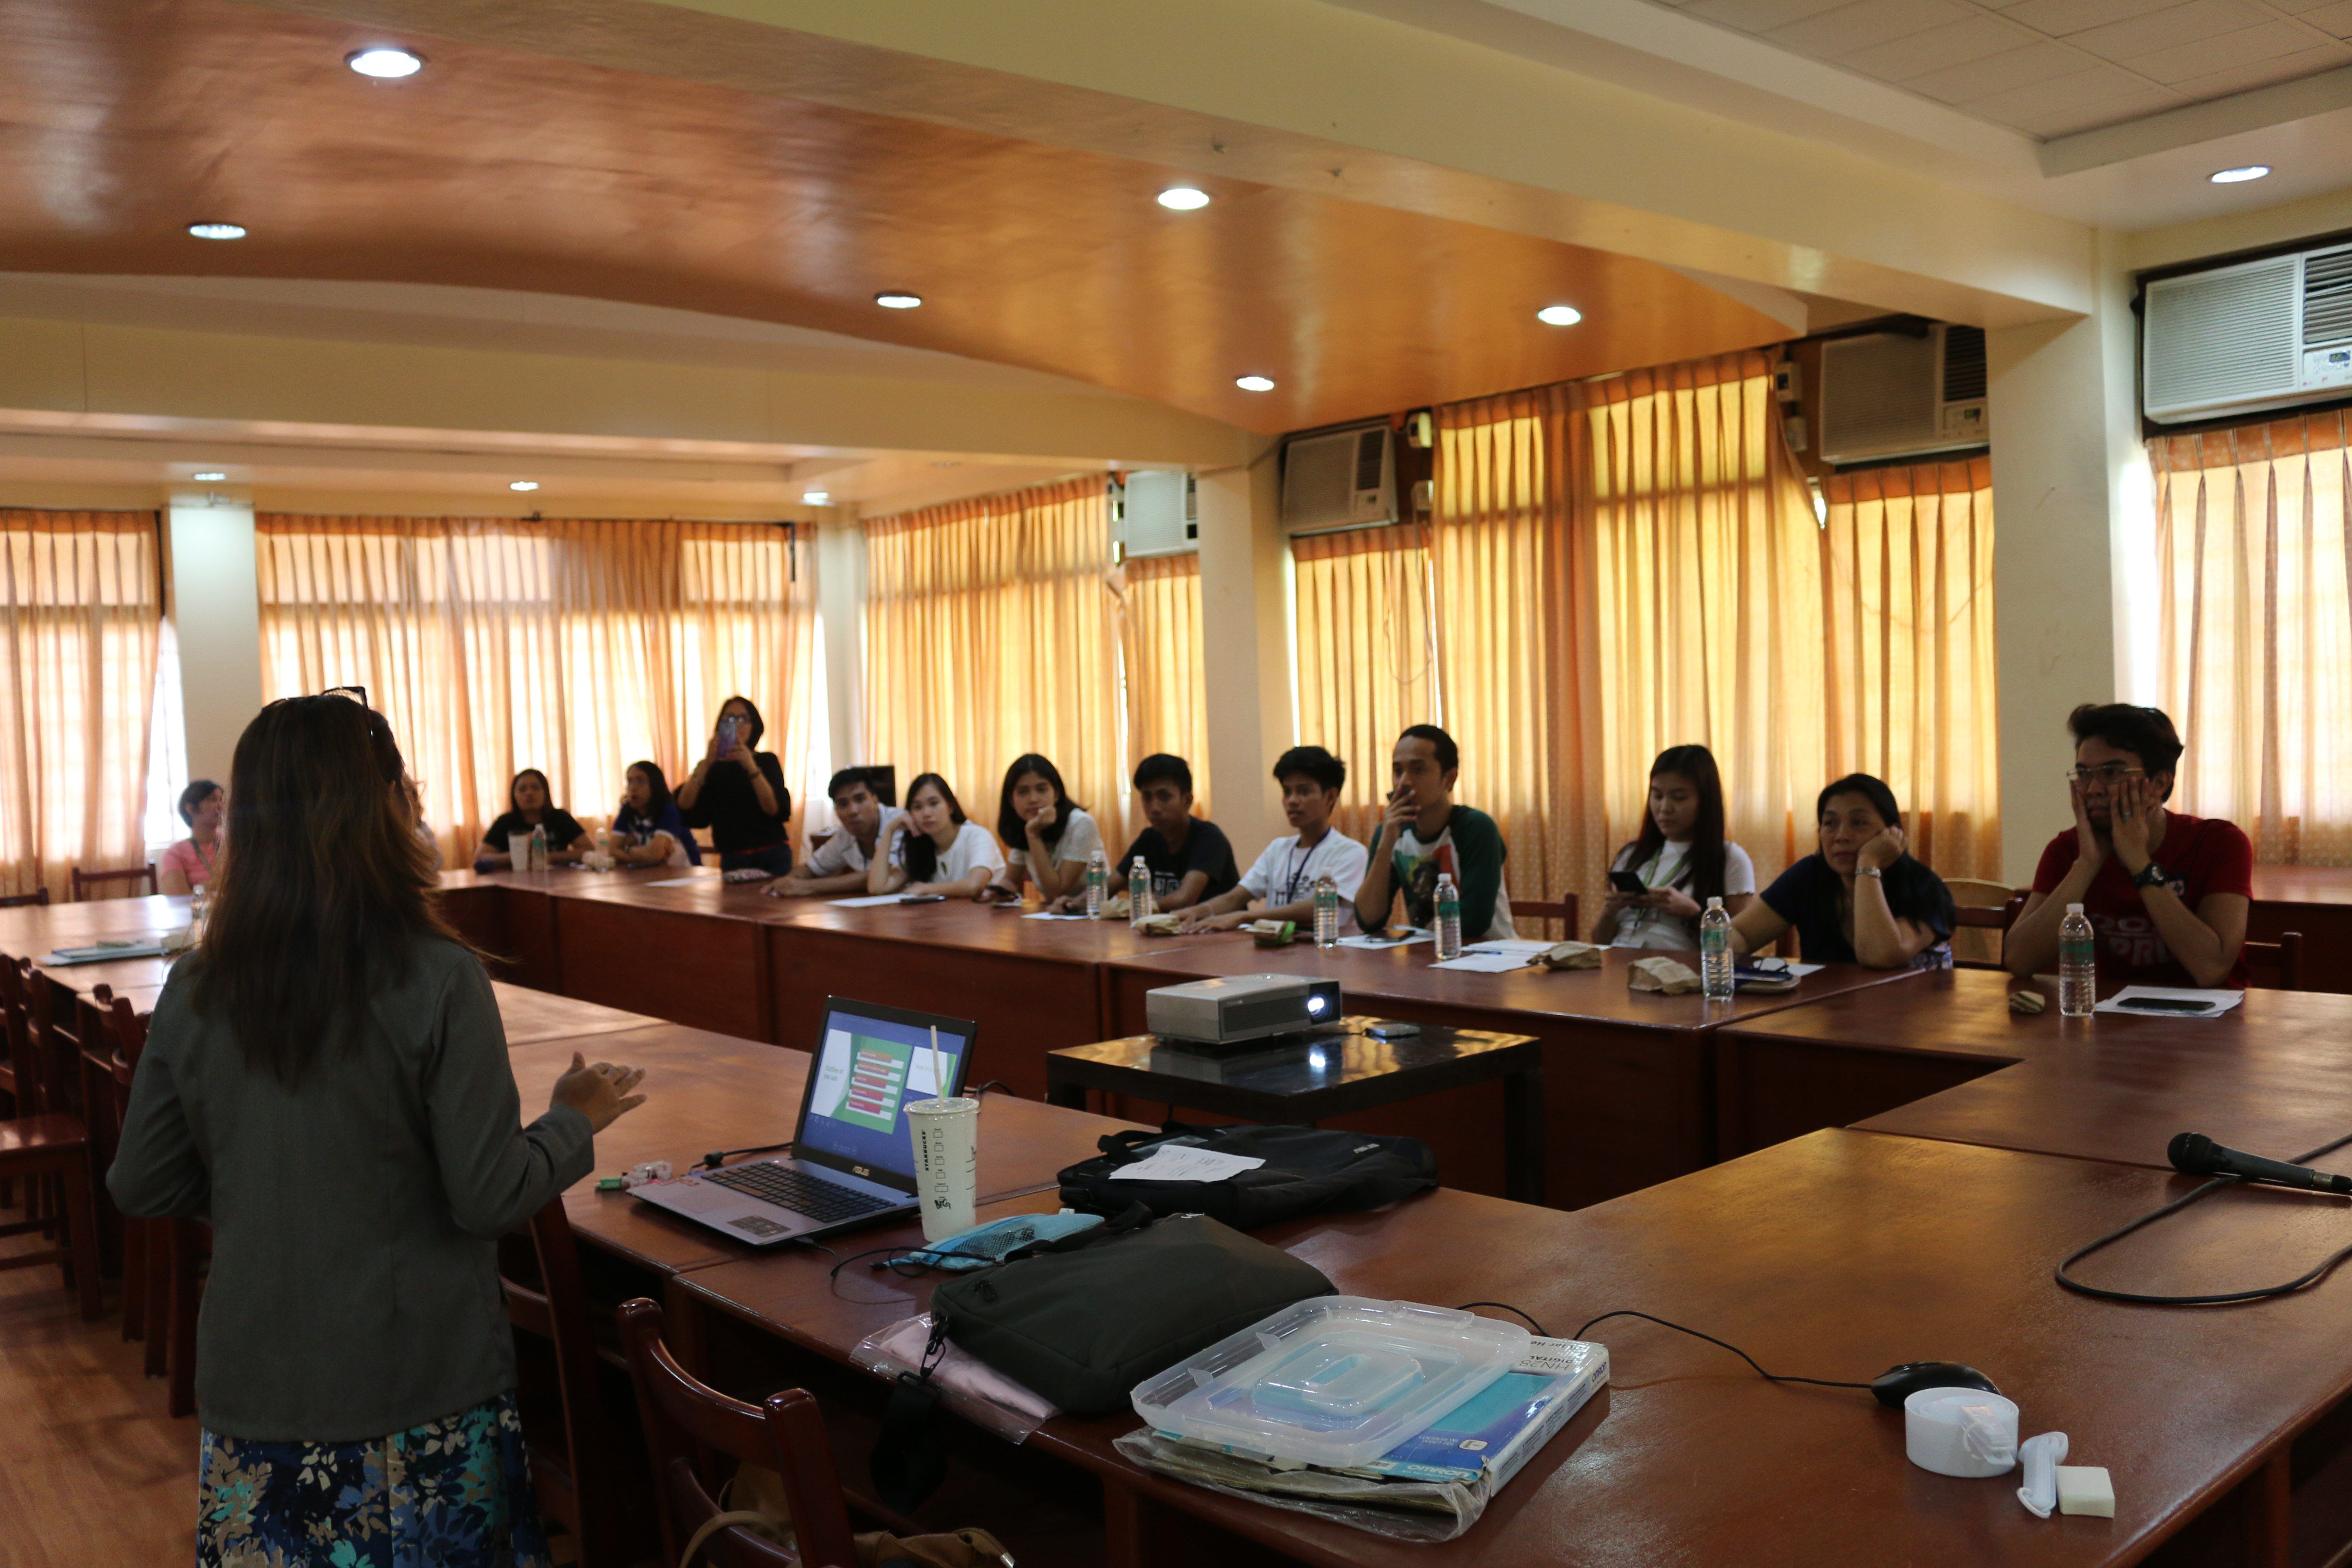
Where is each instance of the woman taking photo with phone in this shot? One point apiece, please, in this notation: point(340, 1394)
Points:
point(1048, 837)
point(326, 1080)
point(931, 848)
point(738, 792)
point(1660, 883)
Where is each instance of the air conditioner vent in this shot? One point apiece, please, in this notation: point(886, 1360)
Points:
point(1339, 479)
point(1371, 447)
point(1964, 363)
point(2223, 338)
point(1878, 394)
point(2328, 298)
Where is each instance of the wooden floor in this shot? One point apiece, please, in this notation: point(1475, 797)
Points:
point(91, 1469)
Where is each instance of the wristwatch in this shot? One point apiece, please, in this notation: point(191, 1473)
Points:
point(1877, 871)
point(2150, 875)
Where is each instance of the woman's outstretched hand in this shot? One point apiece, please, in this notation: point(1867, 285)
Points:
point(601, 1093)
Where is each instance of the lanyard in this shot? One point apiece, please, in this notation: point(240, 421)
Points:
point(1298, 870)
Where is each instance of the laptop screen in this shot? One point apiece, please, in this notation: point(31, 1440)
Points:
point(869, 1062)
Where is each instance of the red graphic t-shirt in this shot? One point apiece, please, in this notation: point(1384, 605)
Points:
point(2199, 855)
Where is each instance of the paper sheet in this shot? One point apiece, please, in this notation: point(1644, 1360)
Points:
point(1049, 915)
point(1380, 941)
point(1482, 963)
point(1520, 945)
point(869, 901)
point(2213, 1004)
point(1183, 1163)
point(682, 881)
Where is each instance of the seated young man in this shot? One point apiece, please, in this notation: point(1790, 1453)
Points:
point(1282, 881)
point(1190, 857)
point(838, 865)
point(1424, 833)
point(2166, 892)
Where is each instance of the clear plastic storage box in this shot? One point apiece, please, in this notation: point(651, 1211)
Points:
point(1338, 1381)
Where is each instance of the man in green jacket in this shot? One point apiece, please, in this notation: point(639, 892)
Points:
point(1423, 834)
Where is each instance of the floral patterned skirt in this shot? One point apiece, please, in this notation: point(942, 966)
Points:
point(453, 1494)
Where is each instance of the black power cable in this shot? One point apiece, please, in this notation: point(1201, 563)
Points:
point(1629, 1312)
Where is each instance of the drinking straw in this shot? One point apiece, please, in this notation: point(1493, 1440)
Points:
point(938, 1073)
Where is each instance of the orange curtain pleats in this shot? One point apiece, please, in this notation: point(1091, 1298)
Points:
point(1159, 651)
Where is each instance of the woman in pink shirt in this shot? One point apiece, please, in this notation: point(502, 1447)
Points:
point(189, 864)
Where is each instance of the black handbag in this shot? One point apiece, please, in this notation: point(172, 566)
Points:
point(1307, 1169)
point(1082, 1320)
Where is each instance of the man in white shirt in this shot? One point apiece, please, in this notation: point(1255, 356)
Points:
point(838, 865)
point(1282, 880)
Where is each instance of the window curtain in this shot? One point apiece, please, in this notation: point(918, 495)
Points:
point(1159, 649)
point(990, 633)
point(1367, 663)
point(82, 594)
point(2254, 548)
point(576, 647)
point(1907, 599)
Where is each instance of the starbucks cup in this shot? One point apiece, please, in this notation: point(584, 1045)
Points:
point(947, 1164)
point(518, 850)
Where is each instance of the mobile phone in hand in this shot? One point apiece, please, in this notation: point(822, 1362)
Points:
point(1627, 883)
point(727, 734)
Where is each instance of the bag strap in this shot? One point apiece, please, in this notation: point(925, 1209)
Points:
point(1135, 1216)
point(713, 1525)
point(910, 1457)
point(1121, 1147)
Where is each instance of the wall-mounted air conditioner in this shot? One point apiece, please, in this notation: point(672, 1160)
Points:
point(1903, 394)
point(1156, 515)
point(1339, 479)
point(2236, 340)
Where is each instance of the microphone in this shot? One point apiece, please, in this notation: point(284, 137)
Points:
point(2194, 1155)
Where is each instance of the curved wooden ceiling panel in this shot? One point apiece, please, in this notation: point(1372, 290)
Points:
point(126, 121)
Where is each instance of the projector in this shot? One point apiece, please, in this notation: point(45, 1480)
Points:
point(1241, 1007)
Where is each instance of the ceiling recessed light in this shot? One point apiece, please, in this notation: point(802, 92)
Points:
point(386, 64)
point(2240, 176)
point(209, 476)
point(217, 230)
point(1255, 382)
point(522, 484)
point(897, 301)
point(815, 498)
point(1183, 199)
point(1560, 315)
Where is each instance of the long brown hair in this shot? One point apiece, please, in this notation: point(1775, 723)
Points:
point(329, 890)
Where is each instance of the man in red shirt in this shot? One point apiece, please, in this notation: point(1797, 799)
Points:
point(2167, 892)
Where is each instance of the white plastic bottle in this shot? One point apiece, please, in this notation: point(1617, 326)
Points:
point(1138, 891)
point(1098, 884)
point(1714, 953)
point(1449, 918)
point(1326, 912)
point(2078, 975)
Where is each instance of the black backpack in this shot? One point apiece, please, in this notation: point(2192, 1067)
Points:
point(1307, 1169)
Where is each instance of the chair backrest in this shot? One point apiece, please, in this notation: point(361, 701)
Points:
point(39, 1061)
point(37, 898)
point(786, 1432)
point(85, 881)
point(2276, 965)
point(130, 1045)
point(1978, 917)
point(1563, 910)
point(558, 1311)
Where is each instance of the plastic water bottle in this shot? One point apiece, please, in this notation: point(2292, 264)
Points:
point(1449, 918)
point(1715, 980)
point(1098, 880)
point(2078, 975)
point(1138, 891)
point(1326, 912)
point(538, 849)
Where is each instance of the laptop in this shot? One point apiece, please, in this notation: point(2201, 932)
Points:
point(853, 1159)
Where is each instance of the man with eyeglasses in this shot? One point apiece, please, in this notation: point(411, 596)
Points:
point(2167, 892)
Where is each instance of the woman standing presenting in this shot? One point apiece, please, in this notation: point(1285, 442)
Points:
point(326, 1080)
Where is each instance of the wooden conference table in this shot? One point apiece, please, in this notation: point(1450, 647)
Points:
point(2316, 900)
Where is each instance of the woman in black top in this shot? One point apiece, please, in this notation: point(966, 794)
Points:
point(528, 807)
point(738, 792)
point(1860, 899)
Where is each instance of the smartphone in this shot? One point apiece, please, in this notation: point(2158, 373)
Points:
point(727, 734)
point(2164, 1005)
point(1626, 882)
point(924, 899)
point(1392, 1030)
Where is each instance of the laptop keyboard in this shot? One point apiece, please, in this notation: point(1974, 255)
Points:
point(798, 1191)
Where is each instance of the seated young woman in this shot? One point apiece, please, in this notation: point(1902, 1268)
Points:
point(647, 829)
point(1681, 859)
point(1048, 837)
point(1861, 897)
point(188, 865)
point(931, 846)
point(528, 807)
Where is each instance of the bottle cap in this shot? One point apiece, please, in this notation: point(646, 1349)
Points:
point(1714, 903)
point(2073, 909)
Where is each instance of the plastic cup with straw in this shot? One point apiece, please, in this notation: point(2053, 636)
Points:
point(947, 1154)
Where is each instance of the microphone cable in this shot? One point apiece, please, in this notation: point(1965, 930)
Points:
point(1629, 1312)
point(2221, 1299)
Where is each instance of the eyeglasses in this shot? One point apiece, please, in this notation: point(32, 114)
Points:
point(358, 691)
point(2111, 772)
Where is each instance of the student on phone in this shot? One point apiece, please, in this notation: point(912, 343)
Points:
point(1861, 897)
point(528, 807)
point(2166, 892)
point(738, 792)
point(1187, 857)
point(1282, 882)
point(1423, 834)
point(930, 848)
point(647, 829)
point(1048, 837)
point(1660, 883)
point(839, 863)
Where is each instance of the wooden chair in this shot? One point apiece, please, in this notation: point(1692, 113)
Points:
point(85, 881)
point(582, 1482)
point(786, 1432)
point(45, 1145)
point(37, 898)
point(1976, 943)
point(2276, 965)
point(146, 1243)
point(1975, 916)
point(1563, 911)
